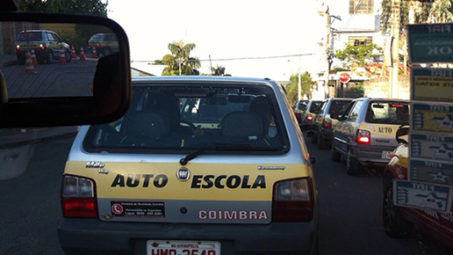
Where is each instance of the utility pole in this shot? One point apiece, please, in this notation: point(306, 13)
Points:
point(299, 88)
point(327, 54)
point(179, 62)
point(210, 64)
point(395, 33)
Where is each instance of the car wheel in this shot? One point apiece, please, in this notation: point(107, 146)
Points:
point(335, 155)
point(314, 138)
point(49, 58)
point(20, 61)
point(394, 224)
point(353, 166)
point(322, 143)
point(67, 56)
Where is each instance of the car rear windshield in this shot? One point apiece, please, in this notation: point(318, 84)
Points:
point(338, 107)
point(315, 107)
point(302, 105)
point(95, 38)
point(388, 113)
point(29, 36)
point(216, 118)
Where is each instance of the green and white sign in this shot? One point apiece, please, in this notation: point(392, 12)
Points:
point(430, 43)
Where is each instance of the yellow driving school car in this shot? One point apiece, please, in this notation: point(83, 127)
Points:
point(198, 165)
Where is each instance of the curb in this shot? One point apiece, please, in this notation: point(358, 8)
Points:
point(38, 140)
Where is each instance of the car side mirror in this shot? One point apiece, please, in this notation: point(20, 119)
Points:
point(334, 116)
point(402, 134)
point(68, 84)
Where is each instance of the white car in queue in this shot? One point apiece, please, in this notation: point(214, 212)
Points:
point(198, 165)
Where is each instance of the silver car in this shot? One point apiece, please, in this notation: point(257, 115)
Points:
point(365, 133)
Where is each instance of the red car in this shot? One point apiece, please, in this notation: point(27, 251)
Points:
point(399, 222)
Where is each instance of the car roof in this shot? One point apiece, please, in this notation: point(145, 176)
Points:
point(206, 79)
point(383, 99)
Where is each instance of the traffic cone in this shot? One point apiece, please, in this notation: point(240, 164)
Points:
point(62, 57)
point(29, 67)
point(33, 58)
point(73, 54)
point(82, 55)
point(95, 55)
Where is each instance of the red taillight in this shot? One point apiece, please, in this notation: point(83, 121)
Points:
point(326, 124)
point(79, 207)
point(293, 200)
point(77, 197)
point(363, 136)
point(309, 118)
point(18, 47)
point(298, 114)
point(42, 46)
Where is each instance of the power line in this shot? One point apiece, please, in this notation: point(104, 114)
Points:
point(242, 58)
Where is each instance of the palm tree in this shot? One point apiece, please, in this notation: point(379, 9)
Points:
point(179, 61)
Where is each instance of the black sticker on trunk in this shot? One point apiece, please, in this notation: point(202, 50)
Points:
point(137, 209)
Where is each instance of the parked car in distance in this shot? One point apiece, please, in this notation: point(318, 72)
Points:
point(364, 134)
point(326, 119)
point(104, 44)
point(299, 107)
point(308, 116)
point(400, 221)
point(46, 44)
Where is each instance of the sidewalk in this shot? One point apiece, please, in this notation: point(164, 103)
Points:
point(19, 137)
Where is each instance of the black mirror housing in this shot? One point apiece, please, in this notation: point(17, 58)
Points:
point(110, 85)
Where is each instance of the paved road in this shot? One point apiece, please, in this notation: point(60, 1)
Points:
point(350, 207)
point(350, 213)
point(72, 79)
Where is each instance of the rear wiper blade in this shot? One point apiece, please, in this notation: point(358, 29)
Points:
point(190, 156)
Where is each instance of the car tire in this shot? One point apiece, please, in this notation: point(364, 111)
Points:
point(21, 61)
point(314, 138)
point(394, 223)
point(353, 166)
point(49, 58)
point(335, 155)
point(322, 143)
point(67, 55)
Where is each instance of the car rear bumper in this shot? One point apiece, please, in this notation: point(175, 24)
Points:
point(371, 155)
point(91, 236)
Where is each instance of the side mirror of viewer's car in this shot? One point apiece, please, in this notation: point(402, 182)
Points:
point(402, 134)
point(69, 81)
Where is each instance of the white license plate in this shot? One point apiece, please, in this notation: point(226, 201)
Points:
point(177, 247)
point(386, 154)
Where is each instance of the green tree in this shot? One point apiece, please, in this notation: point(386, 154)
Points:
point(306, 84)
point(94, 7)
point(179, 61)
point(356, 55)
point(218, 71)
point(440, 12)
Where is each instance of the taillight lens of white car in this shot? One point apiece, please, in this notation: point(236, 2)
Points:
point(327, 123)
point(293, 200)
point(78, 198)
point(363, 136)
